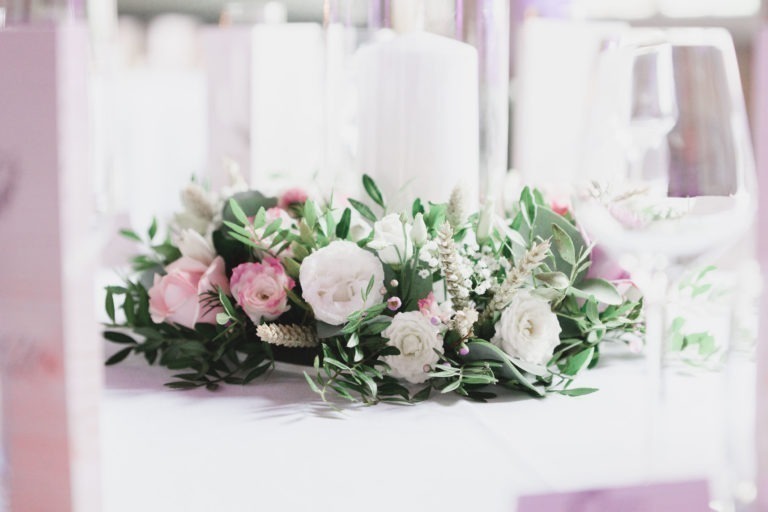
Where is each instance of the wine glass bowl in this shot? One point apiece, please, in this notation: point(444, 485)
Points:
point(673, 175)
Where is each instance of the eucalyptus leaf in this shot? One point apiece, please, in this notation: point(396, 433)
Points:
point(601, 290)
point(480, 350)
point(577, 362)
point(576, 391)
point(556, 280)
point(563, 244)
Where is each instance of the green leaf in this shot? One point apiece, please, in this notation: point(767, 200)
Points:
point(480, 350)
point(453, 386)
point(238, 212)
point(601, 290)
point(363, 210)
point(330, 224)
point(369, 382)
point(119, 356)
point(373, 190)
point(152, 228)
point(227, 304)
point(119, 337)
point(556, 280)
point(273, 226)
point(129, 233)
point(342, 230)
point(353, 341)
point(309, 212)
point(291, 267)
point(109, 305)
point(183, 385)
point(575, 391)
point(577, 362)
point(564, 244)
point(260, 219)
point(250, 202)
point(312, 384)
point(417, 207)
point(528, 205)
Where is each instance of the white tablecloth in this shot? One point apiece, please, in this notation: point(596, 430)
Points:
point(272, 446)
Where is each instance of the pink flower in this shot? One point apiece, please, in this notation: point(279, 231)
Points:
point(182, 295)
point(394, 303)
point(429, 308)
point(560, 207)
point(260, 289)
point(292, 196)
point(605, 267)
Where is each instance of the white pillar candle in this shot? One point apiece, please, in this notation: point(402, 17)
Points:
point(760, 111)
point(418, 117)
point(51, 354)
point(286, 105)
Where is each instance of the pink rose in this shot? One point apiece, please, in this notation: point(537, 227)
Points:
point(260, 289)
point(182, 295)
point(292, 196)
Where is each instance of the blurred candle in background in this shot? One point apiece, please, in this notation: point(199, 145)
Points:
point(418, 117)
point(760, 120)
point(51, 356)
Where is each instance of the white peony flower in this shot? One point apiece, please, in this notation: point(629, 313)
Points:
point(333, 280)
point(417, 339)
point(528, 329)
point(392, 240)
point(196, 246)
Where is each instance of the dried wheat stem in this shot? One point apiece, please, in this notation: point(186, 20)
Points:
point(516, 277)
point(287, 335)
point(450, 262)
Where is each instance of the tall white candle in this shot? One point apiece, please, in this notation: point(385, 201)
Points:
point(49, 348)
point(760, 111)
point(418, 117)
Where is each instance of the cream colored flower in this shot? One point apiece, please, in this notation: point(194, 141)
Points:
point(528, 329)
point(334, 279)
point(392, 240)
point(417, 339)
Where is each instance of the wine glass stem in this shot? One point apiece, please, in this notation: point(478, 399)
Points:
point(655, 337)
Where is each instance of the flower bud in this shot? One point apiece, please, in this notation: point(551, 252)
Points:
point(419, 231)
point(463, 350)
point(485, 223)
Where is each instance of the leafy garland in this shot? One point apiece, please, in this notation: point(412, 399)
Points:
point(481, 261)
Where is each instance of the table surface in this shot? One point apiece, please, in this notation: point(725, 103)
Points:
point(273, 446)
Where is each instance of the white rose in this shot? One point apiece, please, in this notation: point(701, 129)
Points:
point(196, 246)
point(417, 339)
point(528, 329)
point(392, 240)
point(333, 280)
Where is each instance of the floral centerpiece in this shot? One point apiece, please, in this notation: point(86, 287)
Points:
point(387, 306)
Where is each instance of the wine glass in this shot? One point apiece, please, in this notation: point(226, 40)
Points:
point(667, 169)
